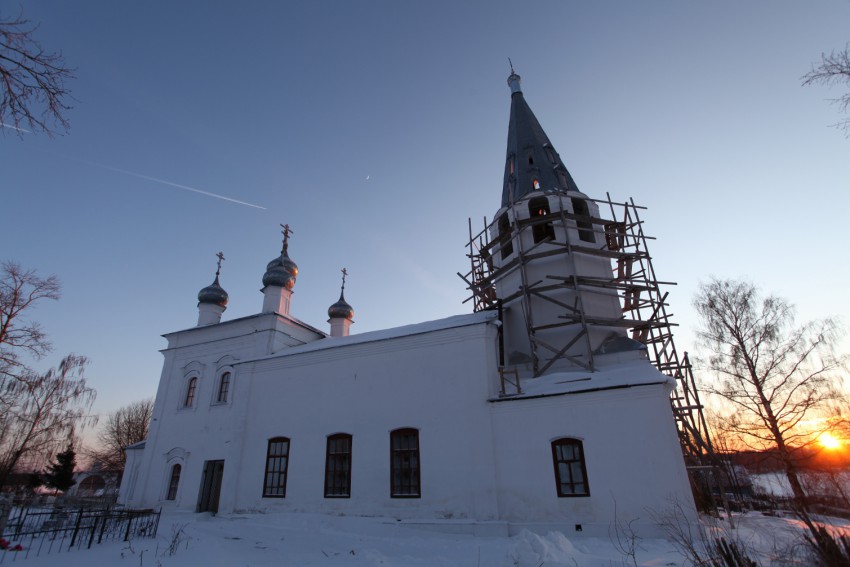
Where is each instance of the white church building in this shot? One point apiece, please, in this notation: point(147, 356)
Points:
point(535, 411)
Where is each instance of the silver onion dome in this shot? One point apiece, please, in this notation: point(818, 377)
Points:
point(341, 309)
point(214, 294)
point(281, 272)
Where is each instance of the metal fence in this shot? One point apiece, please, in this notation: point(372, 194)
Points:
point(34, 531)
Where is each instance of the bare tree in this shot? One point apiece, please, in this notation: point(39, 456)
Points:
point(834, 69)
point(38, 411)
point(32, 81)
point(775, 375)
point(125, 426)
point(42, 412)
point(20, 290)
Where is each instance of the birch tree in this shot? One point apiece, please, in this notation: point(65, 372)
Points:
point(38, 410)
point(43, 412)
point(782, 380)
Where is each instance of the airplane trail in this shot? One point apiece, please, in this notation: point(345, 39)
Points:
point(179, 186)
point(4, 125)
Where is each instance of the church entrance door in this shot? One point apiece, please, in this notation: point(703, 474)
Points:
point(211, 486)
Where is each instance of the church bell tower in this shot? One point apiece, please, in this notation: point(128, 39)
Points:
point(541, 260)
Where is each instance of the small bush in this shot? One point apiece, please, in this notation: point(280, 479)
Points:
point(829, 549)
point(730, 554)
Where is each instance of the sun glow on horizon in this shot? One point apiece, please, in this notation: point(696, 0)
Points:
point(829, 441)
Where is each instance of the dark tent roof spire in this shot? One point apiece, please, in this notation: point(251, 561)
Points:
point(532, 164)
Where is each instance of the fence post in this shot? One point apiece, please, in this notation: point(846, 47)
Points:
point(93, 530)
point(129, 523)
point(76, 528)
point(5, 510)
point(107, 515)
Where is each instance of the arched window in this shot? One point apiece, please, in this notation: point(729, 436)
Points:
point(223, 388)
point(506, 244)
point(191, 389)
point(404, 463)
point(535, 184)
point(570, 472)
point(539, 207)
point(338, 466)
point(173, 482)
point(90, 485)
point(585, 226)
point(277, 463)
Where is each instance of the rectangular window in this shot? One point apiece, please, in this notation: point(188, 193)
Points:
point(570, 472)
point(277, 461)
point(338, 467)
point(404, 463)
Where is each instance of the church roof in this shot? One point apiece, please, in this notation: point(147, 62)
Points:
point(614, 376)
point(385, 334)
point(530, 157)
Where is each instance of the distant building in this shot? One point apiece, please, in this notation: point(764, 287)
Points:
point(95, 482)
point(536, 410)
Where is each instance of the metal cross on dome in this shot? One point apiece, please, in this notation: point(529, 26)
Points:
point(220, 257)
point(286, 231)
point(344, 273)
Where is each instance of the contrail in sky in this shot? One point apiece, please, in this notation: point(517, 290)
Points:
point(184, 187)
point(4, 125)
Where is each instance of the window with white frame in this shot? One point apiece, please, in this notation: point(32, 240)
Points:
point(277, 464)
point(570, 470)
point(404, 463)
point(338, 466)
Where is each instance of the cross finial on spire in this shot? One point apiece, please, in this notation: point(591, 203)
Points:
point(286, 232)
point(344, 274)
point(513, 79)
point(220, 257)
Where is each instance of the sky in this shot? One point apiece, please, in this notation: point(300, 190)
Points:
point(376, 129)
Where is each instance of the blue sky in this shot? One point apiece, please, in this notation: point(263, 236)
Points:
point(375, 129)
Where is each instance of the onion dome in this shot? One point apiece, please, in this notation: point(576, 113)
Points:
point(282, 271)
point(341, 309)
point(214, 293)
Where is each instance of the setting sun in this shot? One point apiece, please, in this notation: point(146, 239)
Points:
point(828, 441)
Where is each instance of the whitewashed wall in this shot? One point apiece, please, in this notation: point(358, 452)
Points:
point(480, 460)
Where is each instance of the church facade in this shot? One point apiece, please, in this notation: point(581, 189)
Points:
point(267, 413)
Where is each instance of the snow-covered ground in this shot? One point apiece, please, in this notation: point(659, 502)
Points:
point(306, 540)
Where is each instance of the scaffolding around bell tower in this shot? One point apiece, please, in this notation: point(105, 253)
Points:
point(622, 240)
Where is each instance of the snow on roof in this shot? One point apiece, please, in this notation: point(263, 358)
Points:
point(639, 372)
point(289, 318)
point(386, 334)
